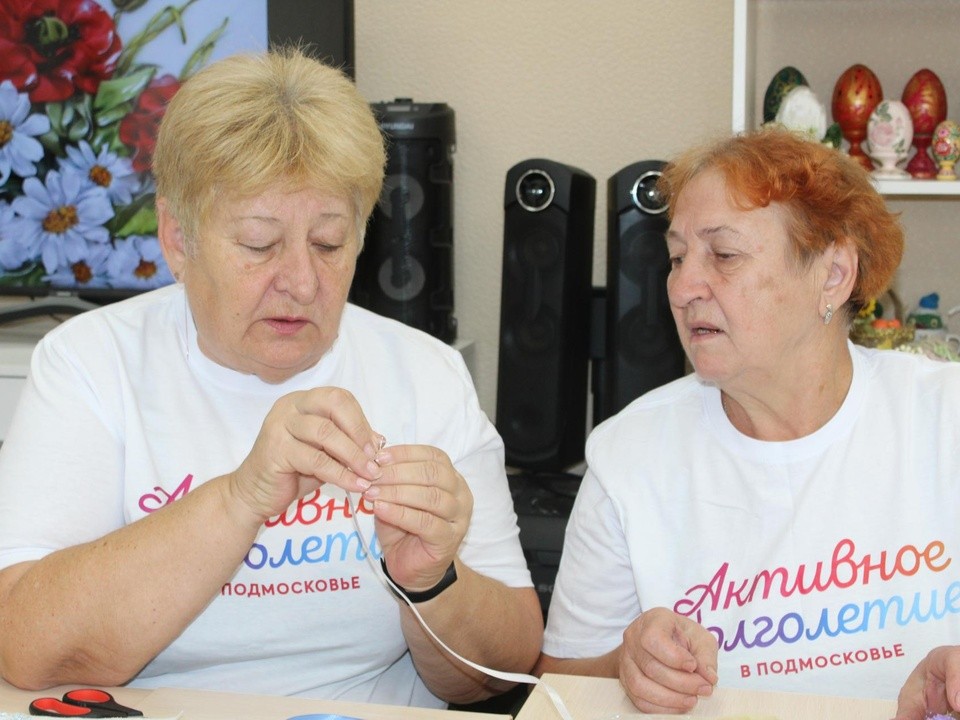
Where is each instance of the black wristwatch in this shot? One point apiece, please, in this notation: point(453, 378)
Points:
point(448, 579)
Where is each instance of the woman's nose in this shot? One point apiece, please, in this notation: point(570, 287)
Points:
point(296, 274)
point(687, 282)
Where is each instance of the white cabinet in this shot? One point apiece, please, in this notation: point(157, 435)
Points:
point(822, 38)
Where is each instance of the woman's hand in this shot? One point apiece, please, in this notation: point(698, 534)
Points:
point(308, 438)
point(667, 662)
point(933, 687)
point(422, 507)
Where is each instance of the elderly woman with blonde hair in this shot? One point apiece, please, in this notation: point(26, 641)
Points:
point(197, 480)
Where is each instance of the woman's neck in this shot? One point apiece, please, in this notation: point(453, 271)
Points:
point(801, 405)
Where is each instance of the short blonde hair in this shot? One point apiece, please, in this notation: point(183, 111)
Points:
point(827, 196)
point(250, 121)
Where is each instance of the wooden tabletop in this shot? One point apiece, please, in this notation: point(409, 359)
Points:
point(206, 705)
point(590, 698)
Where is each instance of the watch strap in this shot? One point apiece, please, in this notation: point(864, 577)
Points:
point(419, 596)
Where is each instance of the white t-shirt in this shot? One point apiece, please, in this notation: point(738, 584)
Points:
point(122, 413)
point(827, 564)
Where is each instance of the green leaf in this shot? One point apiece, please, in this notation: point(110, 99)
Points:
point(200, 56)
point(30, 275)
point(157, 24)
point(137, 218)
point(119, 93)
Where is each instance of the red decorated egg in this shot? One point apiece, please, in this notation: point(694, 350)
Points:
point(855, 95)
point(926, 100)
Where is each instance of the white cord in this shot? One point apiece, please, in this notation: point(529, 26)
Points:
point(499, 674)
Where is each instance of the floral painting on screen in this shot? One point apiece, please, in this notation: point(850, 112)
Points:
point(81, 98)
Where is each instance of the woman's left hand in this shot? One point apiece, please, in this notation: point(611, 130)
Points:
point(933, 687)
point(422, 507)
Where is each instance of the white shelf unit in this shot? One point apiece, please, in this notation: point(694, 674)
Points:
point(858, 30)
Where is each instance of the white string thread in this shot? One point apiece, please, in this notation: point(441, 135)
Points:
point(499, 674)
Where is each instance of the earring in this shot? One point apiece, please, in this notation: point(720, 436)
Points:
point(828, 314)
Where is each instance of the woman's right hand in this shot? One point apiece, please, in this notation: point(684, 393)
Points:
point(667, 662)
point(307, 439)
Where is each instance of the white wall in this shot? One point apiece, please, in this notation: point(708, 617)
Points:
point(598, 84)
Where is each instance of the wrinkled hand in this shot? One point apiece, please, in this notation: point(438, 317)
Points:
point(422, 507)
point(933, 687)
point(308, 438)
point(667, 662)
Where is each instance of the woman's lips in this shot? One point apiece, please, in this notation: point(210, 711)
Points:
point(285, 325)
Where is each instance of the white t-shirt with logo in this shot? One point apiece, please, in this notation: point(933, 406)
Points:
point(828, 564)
point(122, 414)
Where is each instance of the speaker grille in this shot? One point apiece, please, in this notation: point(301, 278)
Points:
point(642, 350)
point(544, 314)
point(406, 268)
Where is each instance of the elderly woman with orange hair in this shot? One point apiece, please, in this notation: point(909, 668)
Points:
point(786, 517)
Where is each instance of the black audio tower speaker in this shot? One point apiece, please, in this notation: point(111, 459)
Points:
point(643, 350)
point(544, 314)
point(405, 270)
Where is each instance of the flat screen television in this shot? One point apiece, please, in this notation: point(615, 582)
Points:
point(83, 86)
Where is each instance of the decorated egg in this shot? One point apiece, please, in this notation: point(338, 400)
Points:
point(890, 129)
point(946, 148)
point(926, 100)
point(782, 83)
point(856, 93)
point(889, 134)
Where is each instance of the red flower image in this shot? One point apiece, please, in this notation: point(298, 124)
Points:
point(139, 129)
point(53, 48)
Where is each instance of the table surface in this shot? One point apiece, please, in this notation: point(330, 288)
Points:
point(591, 698)
point(206, 705)
point(587, 698)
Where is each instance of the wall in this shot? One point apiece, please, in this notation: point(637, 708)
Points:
point(598, 85)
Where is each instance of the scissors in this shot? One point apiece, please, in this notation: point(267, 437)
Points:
point(82, 703)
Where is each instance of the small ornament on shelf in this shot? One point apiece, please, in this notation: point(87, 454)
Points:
point(946, 148)
point(803, 113)
point(790, 102)
point(926, 316)
point(889, 134)
point(786, 79)
point(855, 95)
point(926, 100)
point(871, 329)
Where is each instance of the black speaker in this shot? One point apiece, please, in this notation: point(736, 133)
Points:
point(544, 314)
point(405, 270)
point(642, 350)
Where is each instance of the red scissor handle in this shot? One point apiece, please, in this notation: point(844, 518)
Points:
point(100, 701)
point(89, 695)
point(51, 707)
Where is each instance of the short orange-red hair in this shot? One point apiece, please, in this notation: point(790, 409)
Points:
point(828, 198)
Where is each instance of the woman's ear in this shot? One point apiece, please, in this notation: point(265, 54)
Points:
point(172, 241)
point(843, 264)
